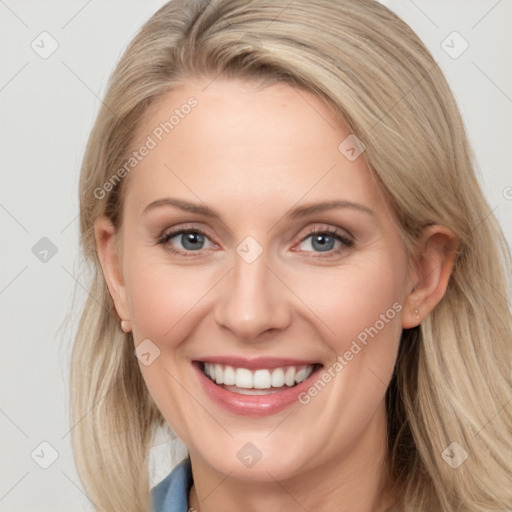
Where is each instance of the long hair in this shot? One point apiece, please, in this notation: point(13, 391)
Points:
point(452, 381)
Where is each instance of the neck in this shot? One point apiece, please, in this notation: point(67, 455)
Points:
point(355, 480)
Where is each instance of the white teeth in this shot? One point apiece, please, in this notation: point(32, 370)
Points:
point(219, 374)
point(303, 374)
point(277, 378)
point(261, 379)
point(258, 379)
point(229, 376)
point(243, 378)
point(289, 376)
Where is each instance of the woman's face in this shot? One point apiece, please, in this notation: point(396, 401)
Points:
point(269, 275)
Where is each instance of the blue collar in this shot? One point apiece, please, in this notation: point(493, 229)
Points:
point(171, 494)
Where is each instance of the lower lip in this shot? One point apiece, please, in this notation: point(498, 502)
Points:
point(252, 405)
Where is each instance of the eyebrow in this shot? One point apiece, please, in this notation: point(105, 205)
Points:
point(300, 211)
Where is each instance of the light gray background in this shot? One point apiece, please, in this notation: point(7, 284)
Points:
point(47, 110)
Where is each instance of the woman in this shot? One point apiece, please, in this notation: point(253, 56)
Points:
point(295, 269)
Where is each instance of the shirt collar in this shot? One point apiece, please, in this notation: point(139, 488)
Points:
point(171, 494)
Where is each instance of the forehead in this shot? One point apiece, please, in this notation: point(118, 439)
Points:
point(229, 142)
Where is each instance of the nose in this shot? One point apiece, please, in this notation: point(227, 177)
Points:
point(252, 300)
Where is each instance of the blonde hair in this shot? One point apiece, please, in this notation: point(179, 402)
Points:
point(452, 379)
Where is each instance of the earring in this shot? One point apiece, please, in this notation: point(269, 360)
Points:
point(417, 314)
point(125, 325)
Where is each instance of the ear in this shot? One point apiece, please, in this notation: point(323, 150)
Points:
point(109, 254)
point(435, 257)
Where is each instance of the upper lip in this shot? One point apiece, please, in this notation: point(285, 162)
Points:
point(256, 363)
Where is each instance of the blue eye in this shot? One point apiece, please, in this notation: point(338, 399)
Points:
point(325, 240)
point(190, 240)
point(185, 242)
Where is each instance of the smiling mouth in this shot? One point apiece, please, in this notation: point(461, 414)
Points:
point(257, 382)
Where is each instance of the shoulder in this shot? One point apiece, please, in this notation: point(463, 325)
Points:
point(171, 494)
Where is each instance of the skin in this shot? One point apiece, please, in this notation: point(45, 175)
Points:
point(252, 154)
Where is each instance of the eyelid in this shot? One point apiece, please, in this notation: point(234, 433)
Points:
point(326, 228)
point(175, 230)
point(171, 232)
point(346, 239)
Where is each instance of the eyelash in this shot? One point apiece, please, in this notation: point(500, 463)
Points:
point(345, 241)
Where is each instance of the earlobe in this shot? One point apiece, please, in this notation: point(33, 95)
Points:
point(107, 248)
point(126, 325)
point(435, 258)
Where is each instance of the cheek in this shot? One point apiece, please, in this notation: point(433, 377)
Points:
point(166, 302)
point(162, 296)
point(358, 307)
point(358, 302)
